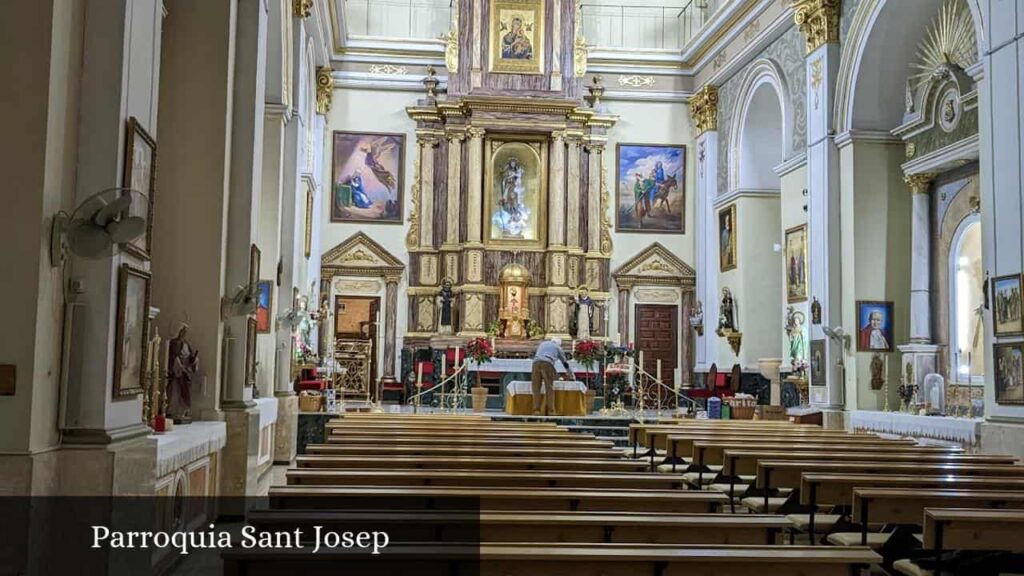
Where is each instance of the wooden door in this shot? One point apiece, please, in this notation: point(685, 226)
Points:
point(355, 318)
point(657, 335)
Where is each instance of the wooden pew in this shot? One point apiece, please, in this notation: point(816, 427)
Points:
point(638, 433)
point(444, 450)
point(960, 529)
point(556, 560)
point(485, 425)
point(837, 489)
point(469, 463)
point(658, 439)
point(475, 478)
point(469, 442)
point(421, 526)
point(903, 506)
point(535, 499)
point(397, 435)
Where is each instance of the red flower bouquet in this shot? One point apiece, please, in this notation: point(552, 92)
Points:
point(588, 353)
point(480, 350)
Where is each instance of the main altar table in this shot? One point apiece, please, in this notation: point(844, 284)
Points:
point(570, 398)
point(963, 430)
point(518, 365)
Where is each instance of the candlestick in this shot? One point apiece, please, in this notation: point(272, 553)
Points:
point(641, 360)
point(419, 375)
point(659, 370)
point(456, 358)
point(444, 364)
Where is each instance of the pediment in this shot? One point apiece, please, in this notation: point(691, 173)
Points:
point(359, 251)
point(656, 264)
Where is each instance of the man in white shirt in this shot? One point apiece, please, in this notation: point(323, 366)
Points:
point(544, 371)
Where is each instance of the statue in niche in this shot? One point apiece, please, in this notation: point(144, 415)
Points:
point(815, 311)
point(727, 315)
point(582, 313)
point(445, 297)
point(795, 321)
point(513, 216)
point(877, 371)
point(182, 371)
point(697, 318)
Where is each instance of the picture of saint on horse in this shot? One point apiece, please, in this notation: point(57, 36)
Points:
point(650, 188)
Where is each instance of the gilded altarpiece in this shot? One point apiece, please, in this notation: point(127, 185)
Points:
point(510, 168)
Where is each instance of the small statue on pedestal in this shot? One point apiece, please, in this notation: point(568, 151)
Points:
point(182, 369)
point(582, 313)
point(797, 341)
point(877, 371)
point(445, 296)
point(727, 315)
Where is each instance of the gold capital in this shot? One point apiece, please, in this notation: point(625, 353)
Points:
point(324, 89)
point(704, 109)
point(302, 8)
point(919, 183)
point(818, 20)
point(475, 132)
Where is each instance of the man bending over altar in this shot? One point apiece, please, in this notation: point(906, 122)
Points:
point(548, 353)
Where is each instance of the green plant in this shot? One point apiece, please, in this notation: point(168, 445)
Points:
point(493, 328)
point(534, 329)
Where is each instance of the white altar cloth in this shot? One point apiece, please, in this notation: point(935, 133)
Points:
point(963, 430)
point(521, 365)
point(517, 387)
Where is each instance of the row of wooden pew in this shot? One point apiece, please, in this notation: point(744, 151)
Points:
point(460, 494)
point(850, 489)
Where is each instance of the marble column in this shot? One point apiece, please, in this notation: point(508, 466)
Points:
point(624, 305)
point(426, 215)
point(556, 191)
point(474, 204)
point(686, 341)
point(920, 263)
point(704, 111)
point(572, 196)
point(451, 236)
point(596, 150)
point(390, 326)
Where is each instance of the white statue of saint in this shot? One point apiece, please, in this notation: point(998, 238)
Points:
point(583, 313)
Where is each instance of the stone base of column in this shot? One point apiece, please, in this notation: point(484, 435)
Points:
point(833, 419)
point(119, 468)
point(239, 474)
point(287, 428)
point(918, 361)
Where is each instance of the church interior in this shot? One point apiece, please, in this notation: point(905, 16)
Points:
point(671, 286)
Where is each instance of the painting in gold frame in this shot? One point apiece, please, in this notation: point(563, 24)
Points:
point(727, 238)
point(132, 332)
point(140, 175)
point(796, 264)
point(517, 36)
point(250, 351)
point(516, 192)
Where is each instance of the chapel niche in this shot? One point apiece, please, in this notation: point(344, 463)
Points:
point(510, 170)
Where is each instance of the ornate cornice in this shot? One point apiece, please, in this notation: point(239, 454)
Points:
point(324, 89)
point(302, 8)
point(818, 20)
point(704, 109)
point(919, 183)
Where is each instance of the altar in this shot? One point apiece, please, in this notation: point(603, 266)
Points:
point(570, 398)
point(966, 431)
point(519, 366)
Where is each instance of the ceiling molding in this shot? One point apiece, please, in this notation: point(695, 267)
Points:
point(956, 154)
point(750, 51)
point(647, 96)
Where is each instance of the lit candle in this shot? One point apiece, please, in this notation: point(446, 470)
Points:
point(444, 364)
point(419, 375)
point(456, 358)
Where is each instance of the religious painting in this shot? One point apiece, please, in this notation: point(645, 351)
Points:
point(874, 323)
point(250, 351)
point(819, 369)
point(650, 189)
point(1009, 374)
point(367, 177)
point(254, 265)
point(1006, 310)
point(796, 264)
point(517, 36)
point(515, 211)
point(140, 175)
point(264, 299)
point(132, 330)
point(727, 238)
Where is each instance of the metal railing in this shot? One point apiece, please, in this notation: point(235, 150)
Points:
point(645, 26)
point(447, 400)
point(412, 19)
point(645, 383)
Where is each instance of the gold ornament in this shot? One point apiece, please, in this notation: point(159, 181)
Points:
point(451, 41)
point(704, 109)
point(818, 20)
point(324, 89)
point(302, 8)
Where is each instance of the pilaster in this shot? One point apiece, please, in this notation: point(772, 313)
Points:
point(920, 263)
point(390, 327)
point(704, 110)
point(596, 150)
point(454, 204)
point(574, 159)
point(474, 201)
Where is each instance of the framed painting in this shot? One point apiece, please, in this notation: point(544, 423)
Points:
point(264, 302)
point(367, 176)
point(874, 321)
point(1009, 373)
point(1006, 305)
point(250, 351)
point(818, 368)
point(254, 265)
point(517, 36)
point(140, 175)
point(727, 238)
point(307, 246)
point(796, 264)
point(516, 205)
point(132, 331)
point(650, 188)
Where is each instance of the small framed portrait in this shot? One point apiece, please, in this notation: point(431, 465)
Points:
point(140, 175)
point(1006, 305)
point(250, 351)
point(650, 188)
point(264, 300)
point(796, 264)
point(1009, 373)
point(874, 326)
point(254, 265)
point(819, 369)
point(727, 238)
point(366, 177)
point(132, 331)
point(517, 36)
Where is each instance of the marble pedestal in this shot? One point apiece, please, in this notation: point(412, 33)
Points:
point(920, 360)
point(287, 428)
point(769, 368)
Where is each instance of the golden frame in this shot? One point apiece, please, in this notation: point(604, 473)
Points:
point(539, 145)
point(534, 65)
point(307, 241)
point(724, 265)
point(790, 298)
point(121, 388)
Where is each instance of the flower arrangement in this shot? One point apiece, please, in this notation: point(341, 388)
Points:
point(480, 350)
point(800, 366)
point(588, 353)
point(494, 328)
point(534, 329)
